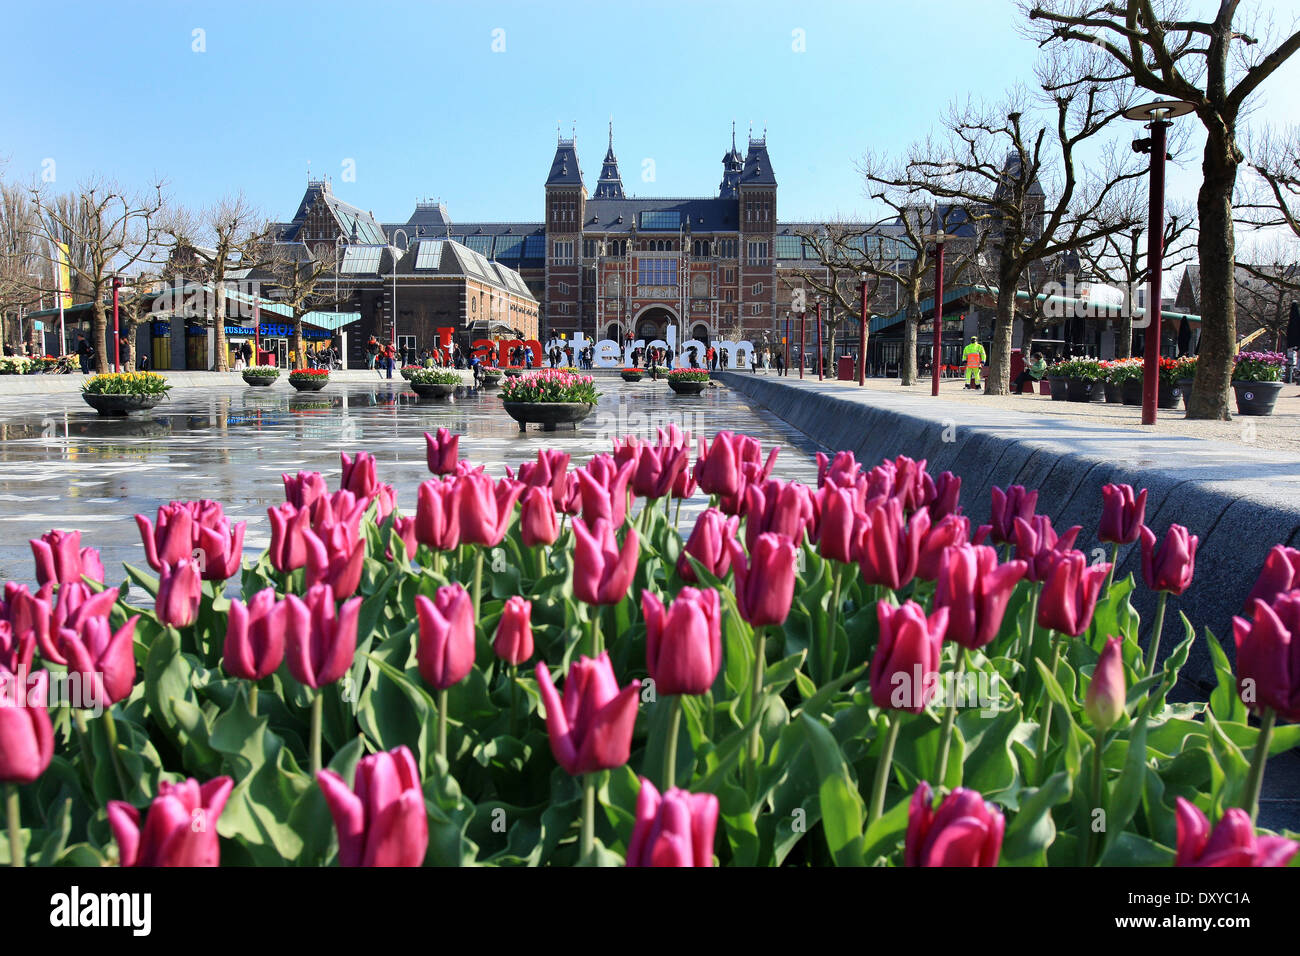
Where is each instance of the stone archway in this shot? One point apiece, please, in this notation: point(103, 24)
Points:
point(701, 331)
point(652, 322)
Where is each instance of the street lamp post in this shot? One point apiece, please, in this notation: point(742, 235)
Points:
point(862, 336)
point(819, 338)
point(392, 339)
point(785, 344)
point(803, 327)
point(938, 239)
point(1156, 116)
point(117, 344)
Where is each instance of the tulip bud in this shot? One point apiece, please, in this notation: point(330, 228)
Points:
point(404, 529)
point(1281, 573)
point(320, 638)
point(950, 531)
point(26, 733)
point(709, 544)
point(180, 828)
point(1233, 842)
point(442, 451)
point(1268, 667)
point(1070, 591)
point(304, 489)
point(1171, 568)
point(288, 550)
point(592, 728)
point(1122, 514)
point(943, 499)
point(684, 641)
point(514, 640)
point(381, 821)
point(602, 572)
point(537, 521)
point(486, 508)
point(437, 514)
point(891, 545)
point(1038, 546)
point(603, 486)
point(765, 582)
point(777, 507)
point(61, 559)
point(254, 644)
point(445, 652)
point(676, 829)
point(905, 667)
point(840, 508)
point(173, 539)
point(335, 557)
point(1107, 691)
point(1008, 505)
point(179, 590)
point(963, 831)
point(975, 590)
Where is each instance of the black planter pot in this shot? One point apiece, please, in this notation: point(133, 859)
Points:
point(1169, 396)
point(1084, 390)
point(513, 373)
point(309, 386)
point(433, 389)
point(491, 380)
point(1184, 389)
point(548, 414)
point(1256, 398)
point(259, 381)
point(1113, 393)
point(632, 376)
point(1131, 391)
point(687, 388)
point(121, 404)
point(1060, 387)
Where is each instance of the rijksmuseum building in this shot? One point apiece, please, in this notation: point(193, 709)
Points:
point(601, 263)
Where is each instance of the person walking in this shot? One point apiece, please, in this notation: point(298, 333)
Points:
point(780, 363)
point(974, 357)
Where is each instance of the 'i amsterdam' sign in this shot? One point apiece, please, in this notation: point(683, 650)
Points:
point(607, 353)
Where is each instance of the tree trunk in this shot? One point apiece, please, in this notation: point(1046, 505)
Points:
point(1000, 345)
point(99, 332)
point(221, 364)
point(299, 347)
point(1124, 333)
point(830, 347)
point(1218, 345)
point(907, 361)
point(128, 344)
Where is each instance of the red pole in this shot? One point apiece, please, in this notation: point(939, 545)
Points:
point(257, 331)
point(117, 343)
point(803, 326)
point(862, 338)
point(1155, 261)
point(786, 343)
point(819, 340)
point(938, 319)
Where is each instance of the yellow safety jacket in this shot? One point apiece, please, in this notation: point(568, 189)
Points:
point(974, 355)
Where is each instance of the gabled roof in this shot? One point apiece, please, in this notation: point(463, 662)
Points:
point(758, 166)
point(564, 167)
point(706, 214)
point(356, 225)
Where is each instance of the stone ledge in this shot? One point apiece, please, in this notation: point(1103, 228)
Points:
point(53, 384)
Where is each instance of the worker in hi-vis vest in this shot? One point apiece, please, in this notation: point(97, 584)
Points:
point(974, 356)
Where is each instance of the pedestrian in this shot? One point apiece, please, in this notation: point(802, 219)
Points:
point(974, 356)
point(780, 363)
point(477, 367)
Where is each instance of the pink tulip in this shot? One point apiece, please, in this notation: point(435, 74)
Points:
point(1268, 656)
point(765, 581)
point(1037, 544)
point(514, 640)
point(1172, 566)
point(47, 617)
point(592, 728)
point(538, 524)
point(942, 495)
point(684, 486)
point(1281, 573)
point(683, 641)
point(445, 651)
point(304, 489)
point(179, 591)
point(61, 558)
point(905, 667)
point(890, 546)
point(441, 451)
point(549, 471)
point(709, 544)
point(975, 590)
point(840, 508)
point(778, 507)
point(255, 632)
point(963, 831)
point(486, 507)
point(220, 550)
point(359, 477)
point(173, 539)
point(657, 469)
point(676, 829)
point(719, 468)
point(602, 572)
point(16, 650)
point(320, 639)
point(342, 507)
point(1122, 514)
point(603, 485)
point(335, 556)
point(1008, 505)
point(104, 658)
point(950, 531)
point(382, 820)
point(841, 471)
point(26, 733)
point(909, 483)
point(1107, 691)
point(288, 548)
point(1070, 590)
point(404, 529)
point(437, 514)
point(180, 828)
point(1232, 843)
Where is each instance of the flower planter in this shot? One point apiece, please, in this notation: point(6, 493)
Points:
point(548, 414)
point(1256, 398)
point(491, 379)
point(1059, 386)
point(687, 388)
point(1184, 389)
point(1114, 393)
point(433, 389)
point(121, 404)
point(259, 381)
point(1169, 396)
point(1084, 390)
point(309, 386)
point(513, 373)
point(632, 376)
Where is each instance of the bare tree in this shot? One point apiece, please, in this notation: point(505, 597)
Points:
point(302, 283)
point(226, 236)
point(1024, 181)
point(1215, 65)
point(19, 289)
point(115, 233)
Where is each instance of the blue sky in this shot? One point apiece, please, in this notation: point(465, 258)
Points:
point(416, 96)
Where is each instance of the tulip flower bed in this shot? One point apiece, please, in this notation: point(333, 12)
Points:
point(550, 385)
point(540, 669)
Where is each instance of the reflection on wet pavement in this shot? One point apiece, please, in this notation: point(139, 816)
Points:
point(63, 466)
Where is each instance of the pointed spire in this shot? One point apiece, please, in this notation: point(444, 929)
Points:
point(610, 184)
point(733, 136)
point(611, 133)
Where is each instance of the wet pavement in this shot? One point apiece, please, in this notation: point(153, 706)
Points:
point(63, 466)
